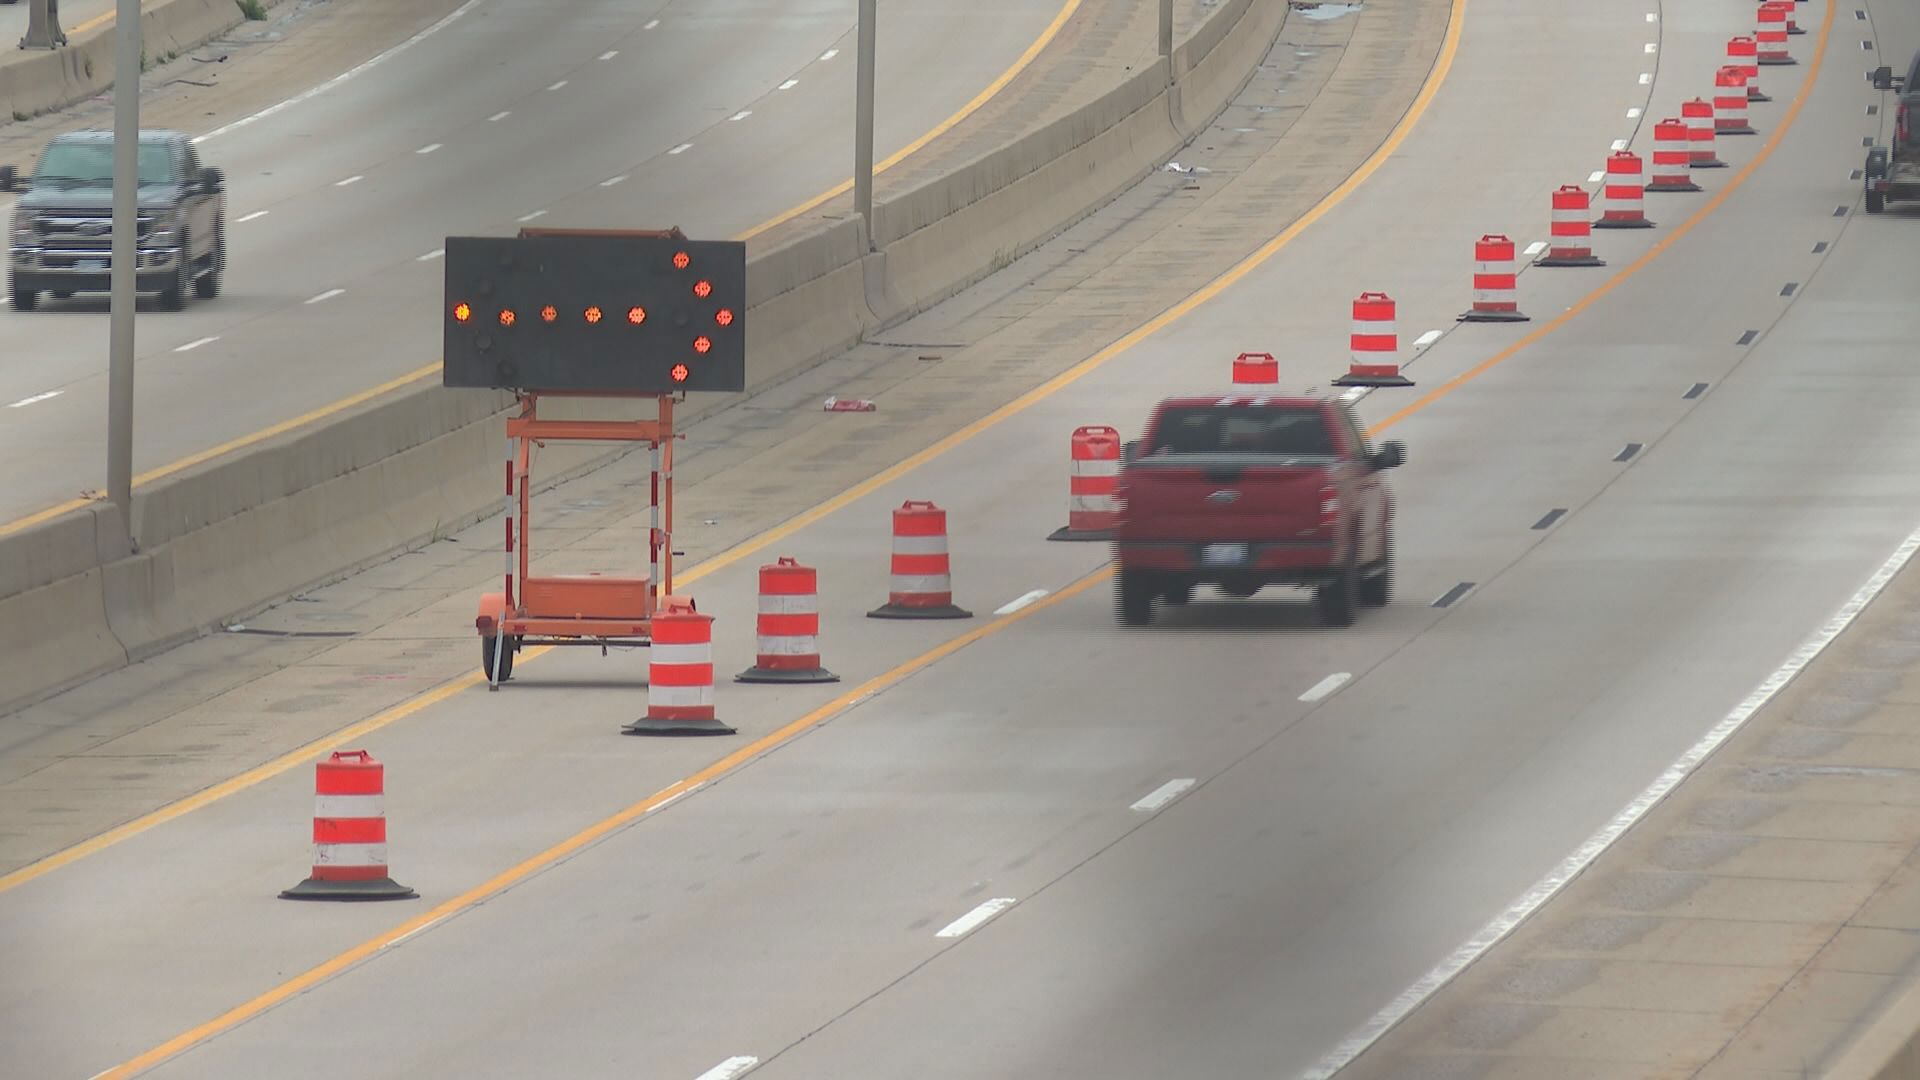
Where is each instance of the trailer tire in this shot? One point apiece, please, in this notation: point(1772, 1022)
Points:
point(509, 647)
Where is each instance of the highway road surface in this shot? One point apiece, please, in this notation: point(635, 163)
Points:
point(1033, 844)
point(715, 116)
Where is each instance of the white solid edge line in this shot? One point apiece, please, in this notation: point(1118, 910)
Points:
point(328, 295)
point(249, 217)
point(313, 92)
point(1327, 686)
point(431, 255)
point(1536, 247)
point(192, 345)
point(35, 399)
point(1570, 867)
point(1428, 338)
point(1012, 606)
point(730, 1068)
point(974, 918)
point(1162, 795)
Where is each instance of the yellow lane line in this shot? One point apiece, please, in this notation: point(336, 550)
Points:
point(1667, 241)
point(427, 371)
point(769, 742)
point(575, 843)
point(873, 686)
point(295, 758)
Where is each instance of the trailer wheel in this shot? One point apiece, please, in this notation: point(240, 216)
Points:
point(506, 658)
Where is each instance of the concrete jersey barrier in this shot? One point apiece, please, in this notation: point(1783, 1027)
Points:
point(241, 533)
point(41, 82)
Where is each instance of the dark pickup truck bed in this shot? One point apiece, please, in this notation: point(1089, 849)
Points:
point(1247, 491)
point(1893, 172)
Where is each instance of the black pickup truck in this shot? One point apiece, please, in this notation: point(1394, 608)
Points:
point(61, 236)
point(1893, 172)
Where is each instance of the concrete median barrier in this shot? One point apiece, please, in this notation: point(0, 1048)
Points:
point(244, 532)
point(1887, 1047)
point(32, 83)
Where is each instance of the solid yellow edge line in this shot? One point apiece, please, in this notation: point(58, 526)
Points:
point(992, 90)
point(578, 841)
point(258, 773)
point(881, 682)
point(1680, 230)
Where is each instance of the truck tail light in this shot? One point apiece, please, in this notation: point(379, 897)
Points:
point(1329, 506)
point(1900, 125)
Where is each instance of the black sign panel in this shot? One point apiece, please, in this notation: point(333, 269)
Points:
point(635, 314)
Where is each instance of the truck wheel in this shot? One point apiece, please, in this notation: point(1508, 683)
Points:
point(506, 658)
point(1177, 593)
point(24, 299)
point(1876, 201)
point(174, 296)
point(1377, 589)
point(207, 285)
point(1135, 595)
point(1335, 599)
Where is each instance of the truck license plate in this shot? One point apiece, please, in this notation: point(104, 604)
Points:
point(91, 266)
point(1223, 555)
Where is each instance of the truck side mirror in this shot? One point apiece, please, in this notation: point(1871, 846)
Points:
point(7, 179)
point(1883, 78)
point(1391, 455)
point(212, 180)
point(1128, 451)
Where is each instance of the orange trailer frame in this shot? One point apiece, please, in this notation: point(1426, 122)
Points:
point(588, 609)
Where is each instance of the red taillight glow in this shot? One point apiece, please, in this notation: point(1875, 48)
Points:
point(549, 313)
point(593, 315)
point(1900, 123)
point(680, 373)
point(680, 260)
point(636, 315)
point(506, 317)
point(703, 288)
point(462, 311)
point(1329, 507)
point(701, 344)
point(723, 317)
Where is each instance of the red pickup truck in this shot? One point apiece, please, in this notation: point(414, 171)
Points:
point(1253, 490)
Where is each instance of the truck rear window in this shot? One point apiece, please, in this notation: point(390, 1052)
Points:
point(1291, 431)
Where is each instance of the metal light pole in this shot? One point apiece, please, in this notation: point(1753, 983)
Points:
point(43, 26)
point(1166, 27)
point(126, 165)
point(863, 124)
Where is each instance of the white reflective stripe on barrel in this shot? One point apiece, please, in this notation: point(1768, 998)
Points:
point(349, 854)
point(696, 653)
point(796, 645)
point(1096, 467)
point(1480, 295)
point(679, 696)
point(922, 583)
point(350, 806)
point(920, 545)
point(1380, 328)
point(1090, 502)
point(789, 604)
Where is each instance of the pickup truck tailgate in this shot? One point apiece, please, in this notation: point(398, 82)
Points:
point(1191, 502)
